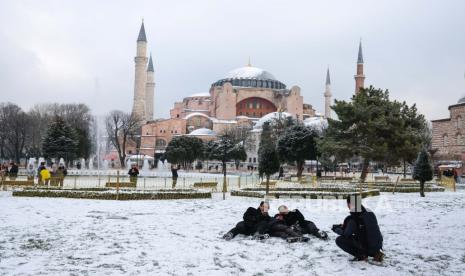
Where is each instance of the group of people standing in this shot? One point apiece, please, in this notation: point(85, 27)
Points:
point(11, 171)
point(54, 176)
point(359, 234)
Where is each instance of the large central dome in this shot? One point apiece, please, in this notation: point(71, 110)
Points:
point(250, 76)
point(249, 72)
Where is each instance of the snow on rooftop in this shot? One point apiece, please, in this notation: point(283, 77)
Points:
point(195, 114)
point(202, 132)
point(250, 72)
point(270, 117)
point(201, 94)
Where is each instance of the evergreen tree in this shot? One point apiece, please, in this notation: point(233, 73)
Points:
point(225, 149)
point(297, 144)
point(423, 170)
point(374, 128)
point(60, 141)
point(268, 161)
point(184, 150)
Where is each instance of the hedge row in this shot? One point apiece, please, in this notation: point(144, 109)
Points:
point(307, 195)
point(111, 195)
point(121, 184)
point(205, 184)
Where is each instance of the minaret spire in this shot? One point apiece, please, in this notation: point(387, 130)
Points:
point(248, 63)
point(142, 36)
point(328, 79)
point(328, 95)
point(149, 90)
point(359, 77)
point(140, 75)
point(360, 53)
point(150, 66)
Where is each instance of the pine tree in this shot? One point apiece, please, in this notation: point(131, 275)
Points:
point(184, 150)
point(225, 149)
point(60, 141)
point(297, 144)
point(268, 161)
point(423, 170)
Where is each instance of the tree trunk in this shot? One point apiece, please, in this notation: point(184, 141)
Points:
point(405, 169)
point(267, 190)
point(224, 180)
point(422, 188)
point(365, 165)
point(300, 169)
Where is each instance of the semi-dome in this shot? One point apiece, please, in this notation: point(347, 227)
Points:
point(202, 132)
point(250, 76)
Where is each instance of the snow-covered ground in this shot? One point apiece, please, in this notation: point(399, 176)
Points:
point(45, 236)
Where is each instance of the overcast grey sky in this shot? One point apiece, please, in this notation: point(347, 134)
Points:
point(82, 51)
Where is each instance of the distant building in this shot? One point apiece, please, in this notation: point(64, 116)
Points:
point(449, 133)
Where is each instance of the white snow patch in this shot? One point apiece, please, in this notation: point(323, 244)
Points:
point(422, 236)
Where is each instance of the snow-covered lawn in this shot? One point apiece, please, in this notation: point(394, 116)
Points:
point(52, 236)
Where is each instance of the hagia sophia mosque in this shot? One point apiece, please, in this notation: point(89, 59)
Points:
point(244, 97)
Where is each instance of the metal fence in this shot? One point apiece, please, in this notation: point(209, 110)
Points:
point(186, 181)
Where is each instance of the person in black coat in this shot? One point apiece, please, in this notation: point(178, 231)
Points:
point(13, 173)
point(360, 235)
point(256, 222)
point(133, 173)
point(279, 228)
point(297, 220)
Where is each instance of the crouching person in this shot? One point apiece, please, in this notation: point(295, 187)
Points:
point(256, 222)
point(359, 235)
point(296, 220)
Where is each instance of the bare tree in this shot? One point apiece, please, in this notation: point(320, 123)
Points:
point(14, 129)
point(121, 127)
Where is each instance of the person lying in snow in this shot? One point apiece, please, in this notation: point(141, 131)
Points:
point(359, 235)
point(279, 228)
point(256, 222)
point(297, 221)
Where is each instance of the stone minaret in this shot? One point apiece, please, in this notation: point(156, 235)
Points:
point(149, 89)
point(140, 60)
point(328, 96)
point(360, 77)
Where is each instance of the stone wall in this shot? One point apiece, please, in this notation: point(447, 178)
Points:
point(449, 134)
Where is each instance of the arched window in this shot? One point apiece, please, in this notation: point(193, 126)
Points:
point(160, 143)
point(459, 122)
point(444, 140)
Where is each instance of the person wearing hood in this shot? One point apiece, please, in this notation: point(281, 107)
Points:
point(360, 235)
point(256, 222)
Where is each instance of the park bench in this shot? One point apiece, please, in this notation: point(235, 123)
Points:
point(383, 178)
point(206, 185)
point(121, 184)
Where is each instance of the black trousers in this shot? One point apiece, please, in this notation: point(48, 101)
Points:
point(242, 228)
point(352, 246)
point(282, 231)
point(309, 227)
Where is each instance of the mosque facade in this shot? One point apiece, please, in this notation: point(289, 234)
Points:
point(239, 99)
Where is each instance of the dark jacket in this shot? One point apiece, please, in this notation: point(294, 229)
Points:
point(174, 173)
point(294, 217)
point(252, 217)
point(133, 172)
point(14, 169)
point(363, 226)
